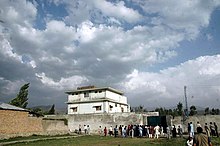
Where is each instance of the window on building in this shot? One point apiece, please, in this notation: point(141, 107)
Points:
point(110, 107)
point(100, 91)
point(74, 109)
point(116, 105)
point(122, 109)
point(86, 94)
point(98, 108)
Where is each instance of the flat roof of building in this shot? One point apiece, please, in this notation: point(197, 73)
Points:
point(94, 89)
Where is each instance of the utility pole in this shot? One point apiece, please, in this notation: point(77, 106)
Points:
point(186, 110)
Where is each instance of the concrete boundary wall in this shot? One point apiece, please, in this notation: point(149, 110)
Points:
point(194, 119)
point(106, 120)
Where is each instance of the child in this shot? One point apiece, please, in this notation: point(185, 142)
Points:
point(189, 142)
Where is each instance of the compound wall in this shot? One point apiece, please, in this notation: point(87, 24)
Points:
point(106, 120)
point(20, 123)
point(194, 119)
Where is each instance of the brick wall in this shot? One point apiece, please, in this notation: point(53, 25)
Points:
point(15, 122)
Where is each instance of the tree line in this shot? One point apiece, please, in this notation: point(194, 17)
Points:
point(178, 111)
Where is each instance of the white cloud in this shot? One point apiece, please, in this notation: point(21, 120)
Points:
point(198, 75)
point(10, 87)
point(86, 32)
point(118, 10)
point(7, 50)
point(20, 12)
point(186, 15)
point(63, 83)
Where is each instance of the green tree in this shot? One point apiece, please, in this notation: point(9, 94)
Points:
point(21, 100)
point(160, 110)
point(192, 110)
point(207, 111)
point(139, 108)
point(38, 111)
point(217, 111)
point(52, 110)
point(179, 109)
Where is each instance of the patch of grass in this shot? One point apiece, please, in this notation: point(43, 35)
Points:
point(111, 141)
point(215, 141)
point(34, 136)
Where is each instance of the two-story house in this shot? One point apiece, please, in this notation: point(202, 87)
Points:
point(90, 99)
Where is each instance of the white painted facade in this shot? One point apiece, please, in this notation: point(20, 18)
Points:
point(97, 100)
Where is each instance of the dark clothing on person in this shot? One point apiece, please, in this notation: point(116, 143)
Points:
point(216, 129)
point(174, 131)
point(212, 129)
point(116, 131)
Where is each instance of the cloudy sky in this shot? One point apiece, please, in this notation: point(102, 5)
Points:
point(149, 49)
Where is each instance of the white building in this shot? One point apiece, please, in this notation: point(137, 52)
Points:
point(90, 99)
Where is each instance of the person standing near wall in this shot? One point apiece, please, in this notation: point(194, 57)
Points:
point(198, 124)
point(116, 131)
point(110, 131)
point(207, 131)
point(124, 132)
point(157, 131)
point(168, 132)
point(216, 129)
point(151, 131)
point(100, 130)
point(88, 130)
point(132, 131)
point(180, 131)
point(174, 131)
point(191, 129)
point(212, 129)
point(105, 131)
point(80, 129)
point(85, 129)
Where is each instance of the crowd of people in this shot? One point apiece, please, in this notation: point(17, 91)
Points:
point(202, 137)
point(199, 138)
point(127, 131)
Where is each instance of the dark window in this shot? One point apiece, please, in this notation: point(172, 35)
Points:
point(98, 108)
point(122, 109)
point(110, 107)
point(74, 109)
point(86, 94)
